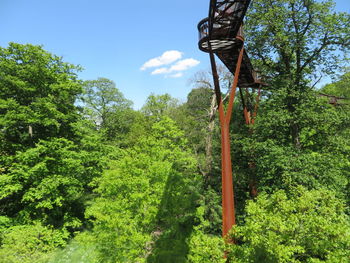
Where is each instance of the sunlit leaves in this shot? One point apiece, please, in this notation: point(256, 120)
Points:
point(150, 188)
point(306, 226)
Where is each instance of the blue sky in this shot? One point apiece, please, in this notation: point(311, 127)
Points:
point(114, 39)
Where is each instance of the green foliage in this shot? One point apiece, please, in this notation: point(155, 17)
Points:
point(107, 107)
point(203, 247)
point(47, 156)
point(157, 106)
point(307, 226)
point(48, 182)
point(321, 158)
point(78, 251)
point(293, 39)
point(197, 113)
point(30, 243)
point(37, 96)
point(147, 194)
point(340, 88)
point(206, 248)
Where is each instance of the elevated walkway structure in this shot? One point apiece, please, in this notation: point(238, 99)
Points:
point(334, 100)
point(221, 34)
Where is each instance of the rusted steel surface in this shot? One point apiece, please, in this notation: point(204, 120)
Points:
point(237, 75)
point(221, 34)
point(334, 100)
point(222, 25)
point(228, 207)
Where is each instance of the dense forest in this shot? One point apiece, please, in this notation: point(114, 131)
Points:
point(86, 178)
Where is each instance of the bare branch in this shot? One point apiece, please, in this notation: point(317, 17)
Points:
point(315, 53)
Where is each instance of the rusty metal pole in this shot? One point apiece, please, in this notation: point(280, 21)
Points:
point(215, 31)
point(228, 206)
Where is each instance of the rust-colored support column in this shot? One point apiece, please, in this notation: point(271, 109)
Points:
point(246, 114)
point(228, 206)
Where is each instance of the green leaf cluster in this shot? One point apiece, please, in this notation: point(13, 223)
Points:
point(30, 243)
point(146, 197)
point(306, 226)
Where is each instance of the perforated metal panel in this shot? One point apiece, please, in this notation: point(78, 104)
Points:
point(222, 34)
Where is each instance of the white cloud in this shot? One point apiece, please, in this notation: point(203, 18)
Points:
point(162, 64)
point(184, 65)
point(177, 75)
point(166, 58)
point(181, 65)
point(160, 71)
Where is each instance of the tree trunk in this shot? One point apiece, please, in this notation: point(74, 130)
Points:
point(209, 137)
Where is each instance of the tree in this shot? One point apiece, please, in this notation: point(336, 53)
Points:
point(157, 106)
point(49, 183)
point(203, 133)
point(322, 158)
point(47, 159)
point(201, 109)
point(199, 125)
point(307, 226)
point(292, 41)
point(37, 96)
point(147, 199)
point(30, 243)
point(107, 107)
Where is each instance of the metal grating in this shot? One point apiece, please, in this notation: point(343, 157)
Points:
point(222, 34)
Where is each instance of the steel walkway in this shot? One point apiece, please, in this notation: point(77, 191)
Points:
point(222, 34)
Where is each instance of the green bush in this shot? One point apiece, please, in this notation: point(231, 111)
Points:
point(30, 243)
point(309, 226)
point(206, 248)
point(146, 201)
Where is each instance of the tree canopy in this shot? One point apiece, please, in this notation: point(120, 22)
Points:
point(294, 41)
point(84, 177)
